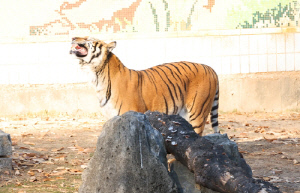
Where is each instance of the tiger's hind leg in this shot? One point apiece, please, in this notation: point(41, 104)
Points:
point(199, 128)
point(186, 115)
point(199, 110)
point(198, 116)
point(214, 113)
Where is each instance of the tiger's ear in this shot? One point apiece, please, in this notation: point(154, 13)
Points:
point(111, 46)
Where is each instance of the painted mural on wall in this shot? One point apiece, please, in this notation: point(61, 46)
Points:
point(65, 17)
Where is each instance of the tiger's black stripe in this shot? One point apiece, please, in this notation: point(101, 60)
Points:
point(182, 81)
point(214, 116)
point(172, 97)
point(97, 55)
point(180, 72)
point(181, 95)
point(120, 108)
point(179, 64)
point(202, 108)
point(215, 107)
point(204, 67)
point(95, 47)
point(153, 79)
point(166, 103)
point(193, 102)
point(215, 123)
point(198, 126)
point(171, 71)
point(185, 87)
point(175, 110)
point(150, 78)
point(188, 67)
point(195, 66)
point(108, 90)
point(169, 82)
point(130, 73)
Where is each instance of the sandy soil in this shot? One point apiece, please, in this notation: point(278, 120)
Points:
point(51, 151)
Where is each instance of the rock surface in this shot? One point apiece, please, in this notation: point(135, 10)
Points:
point(130, 157)
point(185, 179)
point(5, 144)
point(5, 152)
point(5, 164)
point(231, 149)
point(215, 167)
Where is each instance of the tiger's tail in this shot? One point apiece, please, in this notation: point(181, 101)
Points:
point(214, 113)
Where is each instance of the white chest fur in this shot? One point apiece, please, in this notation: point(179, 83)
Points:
point(108, 111)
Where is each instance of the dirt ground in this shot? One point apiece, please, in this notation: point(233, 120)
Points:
point(50, 151)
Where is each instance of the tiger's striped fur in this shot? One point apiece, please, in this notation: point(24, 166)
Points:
point(185, 88)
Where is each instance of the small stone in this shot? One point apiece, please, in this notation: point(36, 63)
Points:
point(33, 179)
point(266, 178)
point(295, 161)
point(83, 166)
point(17, 173)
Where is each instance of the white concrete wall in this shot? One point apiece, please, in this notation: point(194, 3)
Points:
point(43, 63)
point(266, 92)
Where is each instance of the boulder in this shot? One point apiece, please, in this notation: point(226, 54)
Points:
point(5, 152)
point(130, 157)
point(185, 179)
point(214, 160)
point(5, 144)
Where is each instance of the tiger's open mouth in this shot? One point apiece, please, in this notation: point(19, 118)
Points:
point(78, 50)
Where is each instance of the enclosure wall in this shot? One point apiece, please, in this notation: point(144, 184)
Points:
point(235, 37)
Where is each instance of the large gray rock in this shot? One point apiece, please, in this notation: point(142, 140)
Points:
point(185, 179)
point(214, 160)
point(5, 144)
point(130, 157)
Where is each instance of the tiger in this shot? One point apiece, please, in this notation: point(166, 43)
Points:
point(188, 89)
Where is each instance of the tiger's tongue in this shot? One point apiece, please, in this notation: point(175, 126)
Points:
point(82, 50)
